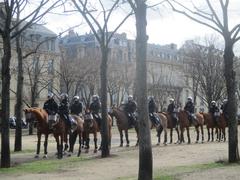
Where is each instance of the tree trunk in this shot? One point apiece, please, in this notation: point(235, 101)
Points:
point(104, 125)
point(5, 148)
point(229, 74)
point(18, 106)
point(145, 146)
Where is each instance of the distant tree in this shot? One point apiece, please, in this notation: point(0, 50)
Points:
point(216, 15)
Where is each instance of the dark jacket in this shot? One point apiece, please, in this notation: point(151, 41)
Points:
point(64, 107)
point(171, 108)
point(76, 107)
point(95, 107)
point(152, 106)
point(131, 107)
point(224, 108)
point(51, 106)
point(213, 109)
point(189, 107)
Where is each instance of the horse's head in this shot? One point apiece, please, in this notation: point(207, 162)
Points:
point(29, 115)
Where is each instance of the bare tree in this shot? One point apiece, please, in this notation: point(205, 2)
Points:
point(216, 16)
point(9, 31)
point(205, 69)
point(103, 37)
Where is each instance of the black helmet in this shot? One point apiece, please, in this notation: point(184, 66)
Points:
point(64, 96)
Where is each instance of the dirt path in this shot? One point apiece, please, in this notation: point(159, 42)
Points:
point(124, 161)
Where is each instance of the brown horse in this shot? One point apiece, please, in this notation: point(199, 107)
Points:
point(122, 124)
point(171, 125)
point(220, 126)
point(39, 116)
point(91, 127)
point(162, 127)
point(78, 131)
point(184, 123)
point(61, 131)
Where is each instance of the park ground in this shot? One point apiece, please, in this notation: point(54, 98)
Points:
point(206, 160)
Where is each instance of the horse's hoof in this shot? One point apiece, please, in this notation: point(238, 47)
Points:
point(121, 145)
point(95, 151)
point(127, 145)
point(86, 151)
point(36, 156)
point(196, 142)
point(45, 156)
point(158, 144)
point(202, 142)
point(165, 144)
point(69, 154)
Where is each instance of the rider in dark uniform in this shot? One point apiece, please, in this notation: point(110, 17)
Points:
point(95, 107)
point(214, 110)
point(50, 105)
point(172, 111)
point(64, 110)
point(152, 109)
point(76, 107)
point(189, 107)
point(130, 109)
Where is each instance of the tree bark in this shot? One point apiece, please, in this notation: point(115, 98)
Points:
point(5, 147)
point(229, 74)
point(104, 125)
point(18, 106)
point(145, 146)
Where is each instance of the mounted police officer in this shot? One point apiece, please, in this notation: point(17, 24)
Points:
point(130, 109)
point(95, 107)
point(76, 106)
point(152, 109)
point(172, 111)
point(50, 105)
point(189, 107)
point(64, 111)
point(214, 110)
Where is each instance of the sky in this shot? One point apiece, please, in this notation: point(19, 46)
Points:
point(164, 26)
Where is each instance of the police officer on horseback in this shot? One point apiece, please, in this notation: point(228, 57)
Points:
point(224, 108)
point(172, 111)
point(130, 109)
point(152, 109)
point(64, 111)
point(50, 105)
point(95, 107)
point(214, 110)
point(76, 106)
point(189, 107)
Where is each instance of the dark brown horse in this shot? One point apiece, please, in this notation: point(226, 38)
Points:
point(219, 125)
point(91, 127)
point(171, 125)
point(184, 123)
point(122, 124)
point(39, 116)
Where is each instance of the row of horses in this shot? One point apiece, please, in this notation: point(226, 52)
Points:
point(86, 125)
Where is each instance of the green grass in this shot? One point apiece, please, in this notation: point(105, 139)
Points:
point(44, 166)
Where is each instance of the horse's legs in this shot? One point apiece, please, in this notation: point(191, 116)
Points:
point(178, 140)
point(45, 146)
point(224, 134)
point(136, 129)
point(159, 132)
point(181, 135)
point(171, 132)
point(58, 147)
point(197, 131)
point(126, 136)
point(95, 141)
point(80, 145)
point(87, 142)
point(188, 135)
point(61, 146)
point(208, 131)
point(202, 132)
point(38, 144)
point(212, 134)
point(165, 136)
point(121, 138)
point(72, 140)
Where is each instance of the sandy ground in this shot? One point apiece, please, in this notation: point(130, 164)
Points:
point(124, 161)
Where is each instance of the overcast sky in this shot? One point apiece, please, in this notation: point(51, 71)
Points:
point(163, 28)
